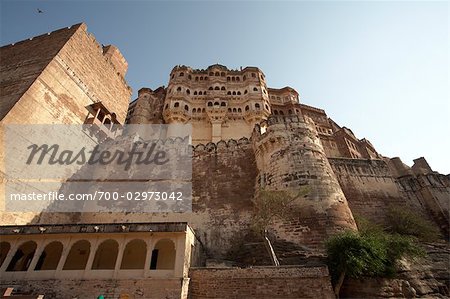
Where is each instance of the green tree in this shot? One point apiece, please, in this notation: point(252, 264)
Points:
point(371, 252)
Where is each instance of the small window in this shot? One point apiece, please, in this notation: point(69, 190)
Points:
point(275, 112)
point(255, 89)
point(253, 75)
point(181, 74)
point(210, 104)
point(194, 110)
point(216, 103)
point(247, 108)
point(245, 91)
point(229, 93)
point(257, 106)
point(201, 78)
point(239, 110)
point(176, 104)
point(199, 93)
point(228, 78)
point(217, 74)
point(189, 77)
point(204, 93)
point(238, 93)
point(234, 93)
point(195, 93)
point(229, 109)
point(238, 79)
point(211, 73)
point(223, 104)
point(179, 89)
point(217, 88)
point(188, 91)
point(234, 110)
point(223, 88)
point(290, 111)
point(233, 79)
point(186, 107)
point(210, 88)
point(222, 74)
point(243, 78)
point(196, 78)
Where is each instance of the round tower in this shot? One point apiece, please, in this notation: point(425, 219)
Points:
point(290, 158)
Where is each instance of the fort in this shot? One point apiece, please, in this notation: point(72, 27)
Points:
point(246, 137)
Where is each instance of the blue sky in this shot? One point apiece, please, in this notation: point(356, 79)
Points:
point(379, 68)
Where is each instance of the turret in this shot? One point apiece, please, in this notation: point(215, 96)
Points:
point(290, 156)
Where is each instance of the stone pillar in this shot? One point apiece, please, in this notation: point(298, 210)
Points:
point(14, 245)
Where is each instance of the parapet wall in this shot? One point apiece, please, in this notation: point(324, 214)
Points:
point(370, 187)
point(170, 288)
point(260, 282)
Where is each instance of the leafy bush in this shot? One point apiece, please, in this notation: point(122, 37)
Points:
point(371, 252)
point(404, 221)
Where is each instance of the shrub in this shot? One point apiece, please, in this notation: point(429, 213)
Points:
point(404, 221)
point(370, 253)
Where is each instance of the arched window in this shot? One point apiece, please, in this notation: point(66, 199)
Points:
point(233, 79)
point(255, 89)
point(234, 110)
point(245, 91)
point(200, 93)
point(239, 110)
point(290, 111)
point(243, 78)
point(216, 103)
point(194, 110)
point(176, 105)
point(167, 106)
point(181, 74)
point(247, 108)
point(281, 113)
point(210, 104)
point(206, 78)
point(223, 88)
point(201, 78)
point(238, 79)
point(267, 107)
point(203, 110)
point(217, 74)
point(106, 255)
point(275, 112)
point(50, 257)
point(257, 106)
point(238, 93)
point(4, 249)
point(23, 256)
point(223, 104)
point(228, 78)
point(179, 89)
point(189, 77)
point(204, 93)
point(188, 91)
point(229, 109)
point(229, 93)
point(211, 73)
point(78, 256)
point(210, 88)
point(217, 88)
point(234, 93)
point(253, 75)
point(222, 74)
point(195, 93)
point(134, 255)
point(186, 107)
point(196, 78)
point(163, 255)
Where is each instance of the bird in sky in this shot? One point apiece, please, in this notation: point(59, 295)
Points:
point(39, 11)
